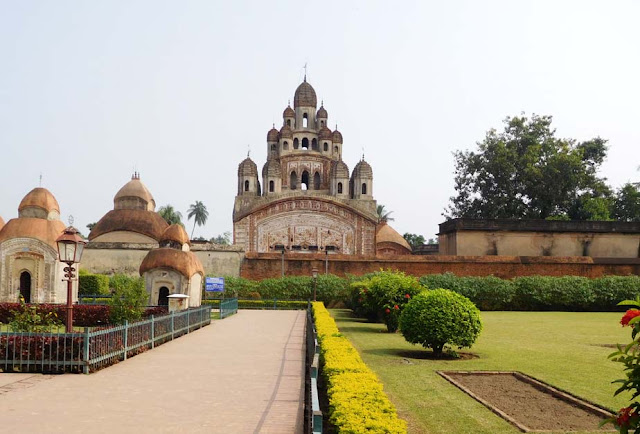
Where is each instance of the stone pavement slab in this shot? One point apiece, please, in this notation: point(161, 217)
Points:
point(243, 374)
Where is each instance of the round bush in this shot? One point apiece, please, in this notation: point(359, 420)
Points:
point(438, 317)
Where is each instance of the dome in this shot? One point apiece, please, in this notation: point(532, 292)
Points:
point(175, 233)
point(337, 136)
point(40, 198)
point(247, 168)
point(386, 234)
point(339, 169)
point(325, 134)
point(137, 191)
point(305, 96)
point(272, 135)
point(363, 170)
point(44, 230)
point(144, 222)
point(185, 263)
point(286, 133)
point(271, 169)
point(288, 112)
point(322, 113)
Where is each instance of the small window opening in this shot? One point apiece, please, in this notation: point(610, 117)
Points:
point(364, 188)
point(326, 147)
point(295, 143)
point(246, 185)
point(305, 121)
point(304, 183)
point(293, 180)
point(285, 146)
point(339, 188)
point(271, 186)
point(288, 122)
point(314, 145)
point(316, 181)
point(305, 143)
point(335, 149)
point(322, 123)
point(273, 147)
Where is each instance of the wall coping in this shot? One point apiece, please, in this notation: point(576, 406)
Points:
point(512, 225)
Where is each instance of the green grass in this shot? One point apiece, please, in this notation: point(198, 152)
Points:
point(560, 348)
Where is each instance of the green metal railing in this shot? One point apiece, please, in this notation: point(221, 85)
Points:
point(95, 349)
point(228, 307)
point(313, 412)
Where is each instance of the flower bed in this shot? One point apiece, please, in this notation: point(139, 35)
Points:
point(357, 402)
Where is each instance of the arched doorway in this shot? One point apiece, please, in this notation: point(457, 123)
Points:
point(305, 180)
point(163, 295)
point(316, 181)
point(25, 286)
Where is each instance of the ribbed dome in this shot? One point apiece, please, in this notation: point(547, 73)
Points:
point(305, 96)
point(272, 135)
point(386, 234)
point(185, 263)
point(40, 198)
point(44, 230)
point(134, 189)
point(325, 134)
point(339, 169)
point(175, 233)
point(363, 170)
point(286, 133)
point(288, 112)
point(322, 113)
point(272, 169)
point(247, 168)
point(337, 136)
point(148, 223)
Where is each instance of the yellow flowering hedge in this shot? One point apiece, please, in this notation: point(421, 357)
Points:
point(357, 403)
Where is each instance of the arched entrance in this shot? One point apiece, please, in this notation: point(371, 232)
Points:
point(163, 295)
point(25, 286)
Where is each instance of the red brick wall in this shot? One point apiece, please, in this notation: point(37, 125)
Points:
point(264, 265)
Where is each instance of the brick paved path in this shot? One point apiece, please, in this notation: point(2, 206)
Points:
point(243, 374)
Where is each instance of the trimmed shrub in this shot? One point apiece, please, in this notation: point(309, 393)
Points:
point(129, 299)
point(357, 402)
point(440, 317)
point(92, 284)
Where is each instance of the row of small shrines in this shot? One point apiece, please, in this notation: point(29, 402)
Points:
point(30, 267)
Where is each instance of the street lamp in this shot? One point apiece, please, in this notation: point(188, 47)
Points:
point(70, 248)
point(314, 273)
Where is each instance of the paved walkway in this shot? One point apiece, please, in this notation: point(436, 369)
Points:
point(244, 374)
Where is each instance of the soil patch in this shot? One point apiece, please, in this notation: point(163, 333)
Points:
point(429, 355)
point(527, 403)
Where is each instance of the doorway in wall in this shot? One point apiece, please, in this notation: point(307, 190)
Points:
point(25, 286)
point(163, 296)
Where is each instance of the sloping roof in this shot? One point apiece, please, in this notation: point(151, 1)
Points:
point(41, 198)
point(185, 263)
point(386, 234)
point(135, 188)
point(175, 233)
point(147, 223)
point(46, 231)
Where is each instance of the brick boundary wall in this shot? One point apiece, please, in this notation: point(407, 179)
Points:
point(259, 266)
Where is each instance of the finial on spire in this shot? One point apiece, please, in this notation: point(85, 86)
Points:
point(248, 151)
point(289, 103)
point(40, 179)
point(322, 103)
point(305, 72)
point(363, 153)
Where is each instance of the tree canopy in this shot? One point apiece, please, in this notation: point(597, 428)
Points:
point(414, 240)
point(525, 171)
point(383, 214)
point(199, 213)
point(170, 215)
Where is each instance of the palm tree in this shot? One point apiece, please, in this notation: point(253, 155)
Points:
point(200, 214)
point(170, 215)
point(384, 215)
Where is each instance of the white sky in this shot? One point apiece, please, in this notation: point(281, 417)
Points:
point(179, 89)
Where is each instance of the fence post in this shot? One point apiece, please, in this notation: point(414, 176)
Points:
point(188, 320)
point(172, 314)
point(275, 303)
point(153, 333)
point(126, 338)
point(85, 369)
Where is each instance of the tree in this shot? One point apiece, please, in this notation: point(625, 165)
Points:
point(383, 214)
point(90, 226)
point(199, 213)
point(527, 172)
point(170, 215)
point(414, 240)
point(224, 239)
point(626, 206)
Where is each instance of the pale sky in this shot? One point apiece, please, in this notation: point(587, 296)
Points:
point(179, 90)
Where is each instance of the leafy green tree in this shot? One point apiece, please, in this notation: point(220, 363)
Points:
point(170, 215)
point(223, 240)
point(414, 240)
point(383, 214)
point(199, 213)
point(626, 206)
point(129, 298)
point(90, 226)
point(525, 171)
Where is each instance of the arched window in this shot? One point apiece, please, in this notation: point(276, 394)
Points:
point(304, 183)
point(305, 143)
point(322, 123)
point(339, 188)
point(364, 188)
point(285, 146)
point(271, 186)
point(316, 181)
point(295, 143)
point(288, 122)
point(314, 144)
point(305, 121)
point(335, 150)
point(326, 147)
point(273, 148)
point(246, 185)
point(293, 180)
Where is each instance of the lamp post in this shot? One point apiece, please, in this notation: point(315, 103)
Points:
point(314, 273)
point(70, 248)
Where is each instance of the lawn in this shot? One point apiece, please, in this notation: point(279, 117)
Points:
point(561, 348)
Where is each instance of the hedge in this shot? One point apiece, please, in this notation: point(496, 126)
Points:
point(357, 402)
point(92, 284)
point(540, 293)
